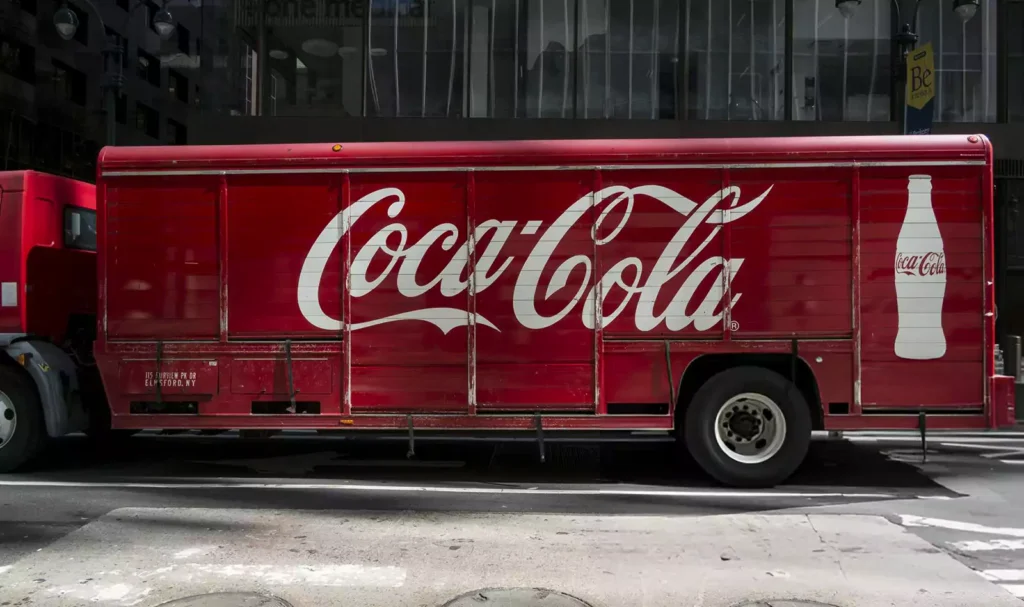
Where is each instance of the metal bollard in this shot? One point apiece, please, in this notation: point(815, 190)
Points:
point(1016, 361)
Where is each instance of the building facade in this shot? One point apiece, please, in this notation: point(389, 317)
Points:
point(50, 89)
point(256, 71)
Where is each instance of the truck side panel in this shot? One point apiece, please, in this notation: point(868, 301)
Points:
point(888, 380)
point(273, 221)
point(534, 261)
point(162, 262)
point(797, 255)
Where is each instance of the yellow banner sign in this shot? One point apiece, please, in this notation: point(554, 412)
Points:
point(920, 76)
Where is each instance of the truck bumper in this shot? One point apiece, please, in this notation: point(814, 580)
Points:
point(1004, 403)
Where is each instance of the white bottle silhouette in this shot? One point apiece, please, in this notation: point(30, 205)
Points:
point(920, 269)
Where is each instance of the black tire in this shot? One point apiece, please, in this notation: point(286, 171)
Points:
point(29, 426)
point(699, 427)
point(99, 431)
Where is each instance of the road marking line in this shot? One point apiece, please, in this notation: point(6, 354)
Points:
point(305, 575)
point(436, 489)
point(1010, 453)
point(1003, 575)
point(1016, 590)
point(982, 447)
point(989, 434)
point(190, 552)
point(910, 520)
point(5, 568)
point(1017, 462)
point(941, 439)
point(988, 545)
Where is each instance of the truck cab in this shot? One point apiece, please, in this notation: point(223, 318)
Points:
point(47, 309)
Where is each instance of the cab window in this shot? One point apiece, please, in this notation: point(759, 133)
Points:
point(79, 228)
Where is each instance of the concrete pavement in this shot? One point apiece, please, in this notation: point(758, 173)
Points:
point(145, 556)
point(233, 512)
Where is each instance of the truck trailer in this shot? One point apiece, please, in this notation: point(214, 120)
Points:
point(735, 293)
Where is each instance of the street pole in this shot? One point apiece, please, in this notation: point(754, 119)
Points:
point(111, 87)
point(907, 41)
point(113, 73)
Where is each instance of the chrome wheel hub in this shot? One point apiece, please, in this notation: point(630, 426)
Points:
point(8, 420)
point(750, 428)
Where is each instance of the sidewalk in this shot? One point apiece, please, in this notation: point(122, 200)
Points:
point(149, 556)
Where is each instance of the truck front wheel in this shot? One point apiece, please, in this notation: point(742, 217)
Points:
point(22, 433)
point(748, 427)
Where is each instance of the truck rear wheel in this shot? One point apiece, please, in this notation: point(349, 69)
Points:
point(22, 431)
point(748, 427)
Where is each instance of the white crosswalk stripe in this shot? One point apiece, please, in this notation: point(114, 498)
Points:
point(1015, 577)
point(988, 545)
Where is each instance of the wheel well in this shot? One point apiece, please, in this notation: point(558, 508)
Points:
point(704, 367)
point(7, 361)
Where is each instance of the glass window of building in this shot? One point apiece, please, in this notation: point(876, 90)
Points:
point(628, 58)
point(524, 58)
point(17, 59)
point(176, 133)
point(1015, 62)
point(147, 120)
point(177, 86)
point(283, 57)
point(147, 67)
point(417, 57)
point(965, 61)
point(68, 83)
point(733, 67)
point(842, 67)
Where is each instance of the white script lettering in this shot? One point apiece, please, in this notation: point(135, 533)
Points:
point(392, 243)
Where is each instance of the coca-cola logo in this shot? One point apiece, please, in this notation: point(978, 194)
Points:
point(925, 264)
point(627, 275)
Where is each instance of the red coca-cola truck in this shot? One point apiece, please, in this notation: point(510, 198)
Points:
point(740, 293)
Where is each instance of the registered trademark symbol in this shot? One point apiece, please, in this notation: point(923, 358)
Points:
point(734, 326)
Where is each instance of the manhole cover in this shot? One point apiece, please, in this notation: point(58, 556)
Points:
point(228, 599)
point(515, 597)
point(783, 603)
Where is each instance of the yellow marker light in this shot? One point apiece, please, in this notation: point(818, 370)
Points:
point(346, 422)
point(21, 359)
point(337, 147)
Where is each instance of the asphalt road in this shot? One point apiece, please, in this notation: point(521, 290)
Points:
point(966, 498)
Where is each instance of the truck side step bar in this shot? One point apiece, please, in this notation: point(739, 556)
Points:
point(291, 375)
point(158, 377)
point(540, 435)
point(411, 453)
point(922, 425)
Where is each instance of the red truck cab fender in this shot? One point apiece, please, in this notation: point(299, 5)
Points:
point(55, 377)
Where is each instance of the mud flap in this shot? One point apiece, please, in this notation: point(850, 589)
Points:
point(56, 378)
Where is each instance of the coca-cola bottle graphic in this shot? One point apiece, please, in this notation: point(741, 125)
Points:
point(920, 276)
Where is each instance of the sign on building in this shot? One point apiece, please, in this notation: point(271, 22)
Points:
point(920, 91)
point(329, 13)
